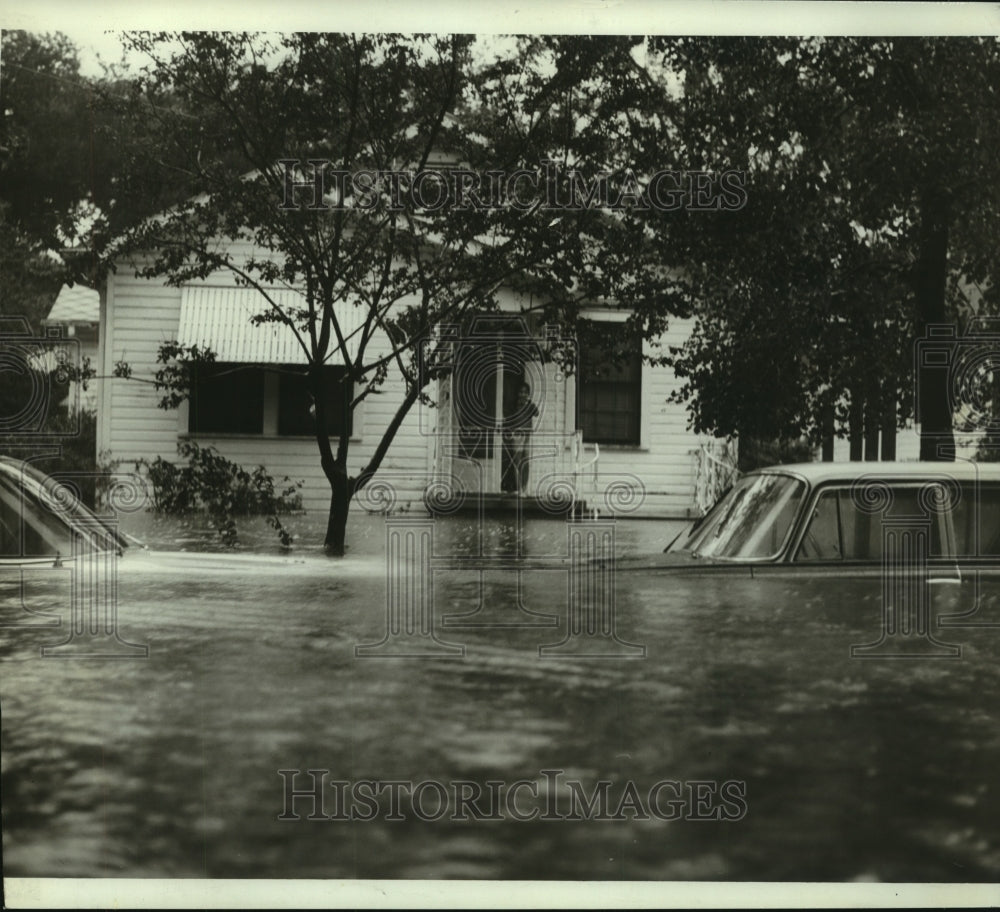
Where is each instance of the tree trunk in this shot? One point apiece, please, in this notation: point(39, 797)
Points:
point(873, 415)
point(827, 422)
point(336, 524)
point(889, 422)
point(934, 403)
point(856, 432)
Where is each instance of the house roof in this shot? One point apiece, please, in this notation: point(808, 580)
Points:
point(75, 304)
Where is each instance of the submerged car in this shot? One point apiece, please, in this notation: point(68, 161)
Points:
point(918, 540)
point(840, 514)
point(42, 521)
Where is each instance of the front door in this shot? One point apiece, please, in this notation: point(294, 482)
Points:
point(485, 397)
point(496, 358)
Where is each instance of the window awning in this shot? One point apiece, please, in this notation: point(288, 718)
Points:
point(219, 318)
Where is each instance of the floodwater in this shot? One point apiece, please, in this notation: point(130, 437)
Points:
point(783, 757)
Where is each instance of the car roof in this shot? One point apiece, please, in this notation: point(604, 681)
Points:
point(818, 472)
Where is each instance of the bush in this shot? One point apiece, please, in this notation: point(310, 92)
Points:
point(211, 483)
point(755, 453)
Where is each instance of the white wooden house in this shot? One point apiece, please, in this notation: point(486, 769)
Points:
point(609, 433)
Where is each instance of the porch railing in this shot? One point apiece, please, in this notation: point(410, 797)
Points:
point(585, 471)
point(714, 471)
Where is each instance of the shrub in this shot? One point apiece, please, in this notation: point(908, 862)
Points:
point(756, 453)
point(223, 489)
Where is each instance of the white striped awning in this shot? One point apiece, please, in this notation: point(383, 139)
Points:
point(220, 318)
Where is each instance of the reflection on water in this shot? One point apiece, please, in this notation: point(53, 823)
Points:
point(168, 766)
point(460, 535)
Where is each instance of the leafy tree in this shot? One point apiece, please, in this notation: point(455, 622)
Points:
point(262, 130)
point(872, 191)
point(45, 138)
point(63, 151)
point(43, 175)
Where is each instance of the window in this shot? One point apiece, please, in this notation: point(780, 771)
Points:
point(227, 399)
point(28, 528)
point(977, 521)
point(609, 384)
point(839, 530)
point(295, 402)
point(256, 400)
point(752, 521)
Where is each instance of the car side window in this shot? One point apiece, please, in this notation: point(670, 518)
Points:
point(27, 528)
point(977, 521)
point(822, 538)
point(839, 530)
point(10, 526)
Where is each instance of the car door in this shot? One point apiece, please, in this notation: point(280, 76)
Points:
point(976, 521)
point(889, 553)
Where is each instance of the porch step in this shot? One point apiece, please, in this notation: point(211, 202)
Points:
point(503, 503)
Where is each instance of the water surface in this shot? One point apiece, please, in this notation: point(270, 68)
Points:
point(168, 766)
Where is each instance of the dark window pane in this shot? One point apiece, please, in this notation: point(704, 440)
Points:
point(295, 402)
point(609, 383)
point(977, 521)
point(840, 530)
point(752, 521)
point(822, 538)
point(227, 399)
point(474, 386)
point(29, 528)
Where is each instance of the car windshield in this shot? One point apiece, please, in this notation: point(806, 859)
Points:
point(38, 518)
point(751, 522)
